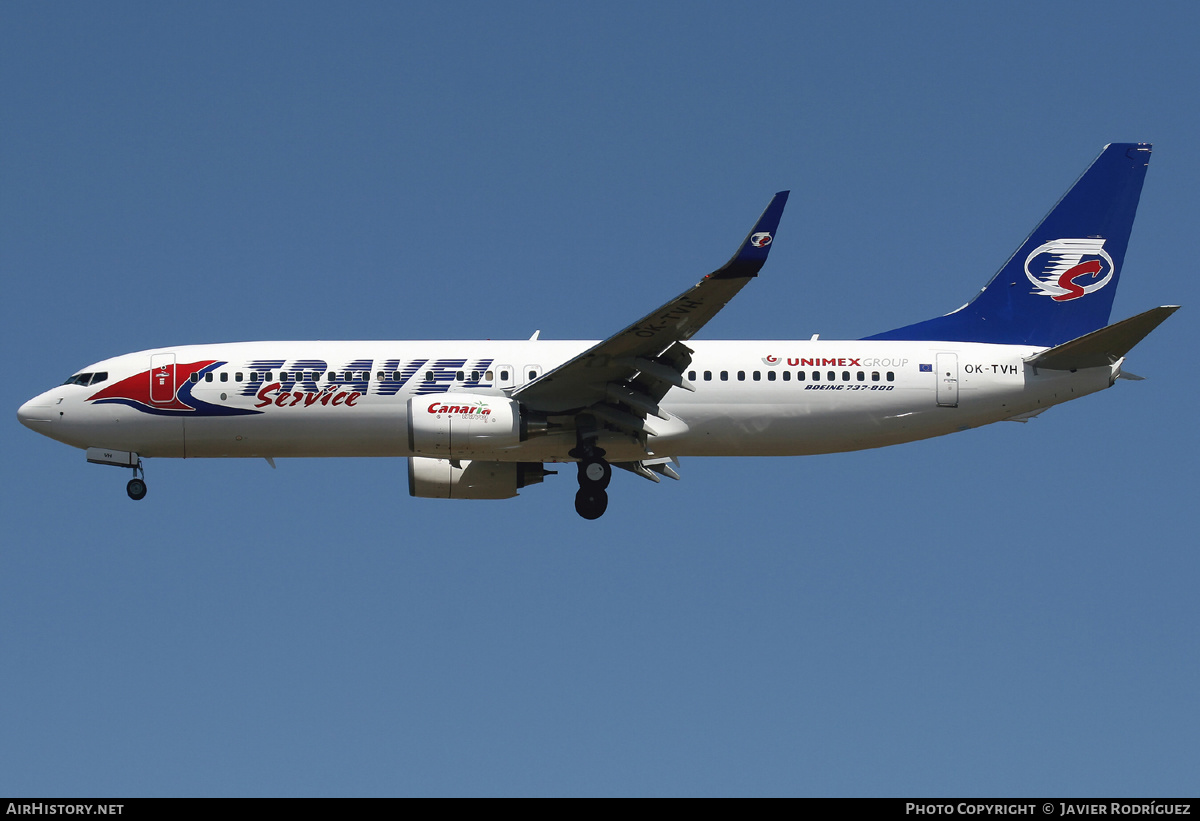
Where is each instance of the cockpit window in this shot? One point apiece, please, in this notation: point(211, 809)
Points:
point(87, 378)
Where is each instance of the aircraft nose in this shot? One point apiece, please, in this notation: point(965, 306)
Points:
point(35, 413)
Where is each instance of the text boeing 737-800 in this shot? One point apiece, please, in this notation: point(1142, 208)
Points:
point(478, 420)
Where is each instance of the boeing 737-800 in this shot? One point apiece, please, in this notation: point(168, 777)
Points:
point(479, 420)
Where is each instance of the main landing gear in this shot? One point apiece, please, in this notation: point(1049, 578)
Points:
point(594, 475)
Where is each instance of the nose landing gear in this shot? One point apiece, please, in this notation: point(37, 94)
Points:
point(122, 459)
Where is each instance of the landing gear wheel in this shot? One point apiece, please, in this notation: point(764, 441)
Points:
point(590, 503)
point(136, 489)
point(596, 473)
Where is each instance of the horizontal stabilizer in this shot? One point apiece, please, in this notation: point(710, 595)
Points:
point(1102, 348)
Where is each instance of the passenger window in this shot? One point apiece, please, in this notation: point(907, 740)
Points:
point(845, 376)
point(691, 376)
point(891, 377)
point(237, 377)
point(194, 377)
point(208, 377)
point(532, 375)
point(787, 376)
point(503, 376)
point(254, 376)
point(224, 376)
point(428, 376)
point(757, 376)
point(708, 376)
point(474, 376)
point(799, 376)
point(831, 376)
point(741, 376)
point(861, 376)
point(724, 376)
point(488, 376)
point(459, 376)
point(816, 376)
point(771, 376)
point(874, 376)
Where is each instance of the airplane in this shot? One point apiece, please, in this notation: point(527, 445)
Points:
point(482, 419)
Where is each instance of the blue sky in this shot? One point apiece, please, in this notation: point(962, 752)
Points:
point(1007, 611)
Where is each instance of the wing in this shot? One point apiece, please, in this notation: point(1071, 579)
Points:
point(621, 379)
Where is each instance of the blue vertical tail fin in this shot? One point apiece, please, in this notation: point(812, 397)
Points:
point(1059, 285)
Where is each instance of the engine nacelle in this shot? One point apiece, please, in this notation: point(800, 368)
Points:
point(464, 479)
point(462, 424)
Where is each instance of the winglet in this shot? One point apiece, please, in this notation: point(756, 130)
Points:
point(752, 255)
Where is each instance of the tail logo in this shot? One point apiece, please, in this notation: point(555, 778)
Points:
point(761, 239)
point(1066, 269)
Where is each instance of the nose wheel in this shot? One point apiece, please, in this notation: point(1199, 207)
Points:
point(136, 489)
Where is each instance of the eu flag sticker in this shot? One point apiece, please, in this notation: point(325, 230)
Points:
point(926, 369)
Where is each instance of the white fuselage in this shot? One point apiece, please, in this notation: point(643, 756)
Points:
point(751, 398)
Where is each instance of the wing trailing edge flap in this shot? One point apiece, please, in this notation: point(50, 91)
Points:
point(1102, 348)
point(651, 468)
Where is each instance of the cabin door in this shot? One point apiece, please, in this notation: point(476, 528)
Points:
point(162, 378)
point(947, 380)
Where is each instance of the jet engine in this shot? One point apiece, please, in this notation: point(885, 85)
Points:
point(464, 479)
point(462, 424)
